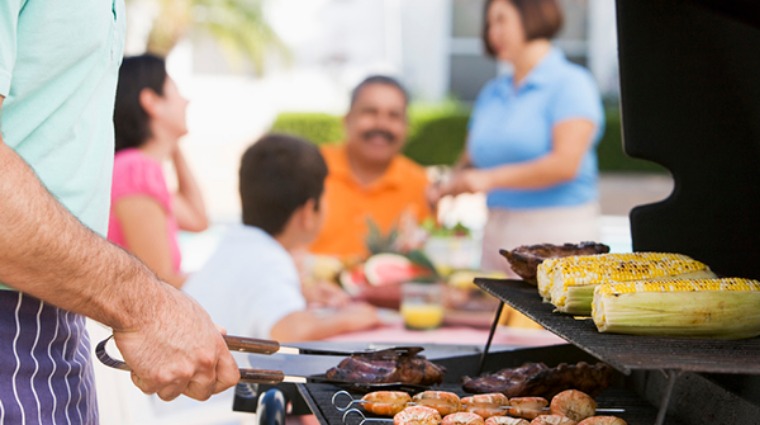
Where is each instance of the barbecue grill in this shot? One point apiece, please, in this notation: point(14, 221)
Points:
point(637, 410)
point(690, 98)
point(660, 381)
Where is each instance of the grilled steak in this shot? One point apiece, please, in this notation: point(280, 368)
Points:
point(539, 380)
point(525, 259)
point(386, 367)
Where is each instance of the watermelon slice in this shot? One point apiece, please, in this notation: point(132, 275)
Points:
point(388, 268)
point(353, 280)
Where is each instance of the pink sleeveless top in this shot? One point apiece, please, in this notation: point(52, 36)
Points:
point(135, 173)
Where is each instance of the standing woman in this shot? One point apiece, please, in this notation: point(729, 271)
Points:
point(532, 136)
point(149, 120)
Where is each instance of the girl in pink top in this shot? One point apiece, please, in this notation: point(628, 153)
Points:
point(149, 120)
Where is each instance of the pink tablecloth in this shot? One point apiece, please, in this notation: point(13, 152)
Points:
point(457, 335)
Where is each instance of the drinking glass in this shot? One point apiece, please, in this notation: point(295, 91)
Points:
point(422, 305)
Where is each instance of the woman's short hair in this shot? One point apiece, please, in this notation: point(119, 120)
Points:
point(540, 19)
point(131, 123)
point(278, 174)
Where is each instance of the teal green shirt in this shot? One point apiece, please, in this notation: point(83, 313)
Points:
point(59, 63)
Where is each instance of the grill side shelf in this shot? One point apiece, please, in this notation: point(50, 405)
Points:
point(628, 352)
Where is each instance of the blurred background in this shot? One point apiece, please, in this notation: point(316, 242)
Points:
point(250, 66)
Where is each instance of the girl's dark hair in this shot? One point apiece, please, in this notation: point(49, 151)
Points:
point(131, 124)
point(540, 18)
point(278, 174)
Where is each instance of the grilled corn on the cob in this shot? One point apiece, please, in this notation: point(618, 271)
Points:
point(569, 282)
point(727, 308)
point(552, 269)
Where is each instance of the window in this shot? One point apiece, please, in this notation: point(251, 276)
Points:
point(470, 68)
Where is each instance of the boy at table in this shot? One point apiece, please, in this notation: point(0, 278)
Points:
point(250, 285)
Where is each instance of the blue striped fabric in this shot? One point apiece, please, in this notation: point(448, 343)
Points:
point(45, 372)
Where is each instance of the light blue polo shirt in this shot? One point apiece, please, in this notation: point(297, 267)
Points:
point(511, 125)
point(59, 64)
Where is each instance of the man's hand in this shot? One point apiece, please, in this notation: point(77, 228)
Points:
point(178, 351)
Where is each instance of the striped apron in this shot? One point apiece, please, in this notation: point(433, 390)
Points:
point(45, 372)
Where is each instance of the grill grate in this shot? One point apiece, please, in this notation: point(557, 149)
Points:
point(625, 352)
point(637, 411)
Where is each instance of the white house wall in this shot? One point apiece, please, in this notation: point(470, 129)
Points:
point(603, 45)
point(426, 35)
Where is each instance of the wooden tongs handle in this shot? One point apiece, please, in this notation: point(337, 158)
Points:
point(261, 376)
point(251, 345)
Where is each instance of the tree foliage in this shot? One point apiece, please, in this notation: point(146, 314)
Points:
point(238, 26)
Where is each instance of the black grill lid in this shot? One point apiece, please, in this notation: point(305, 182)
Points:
point(690, 98)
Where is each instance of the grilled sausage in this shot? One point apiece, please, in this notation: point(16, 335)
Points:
point(573, 404)
point(386, 403)
point(552, 420)
point(527, 407)
point(486, 405)
point(417, 415)
point(462, 418)
point(603, 420)
point(444, 402)
point(506, 420)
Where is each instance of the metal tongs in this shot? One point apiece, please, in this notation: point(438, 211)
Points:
point(265, 346)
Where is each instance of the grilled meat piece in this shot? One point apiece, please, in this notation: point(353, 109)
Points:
point(387, 367)
point(525, 259)
point(386, 403)
point(539, 380)
point(417, 415)
point(503, 380)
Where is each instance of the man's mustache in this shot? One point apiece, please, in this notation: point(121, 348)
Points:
point(387, 135)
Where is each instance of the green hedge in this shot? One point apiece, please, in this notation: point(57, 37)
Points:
point(437, 135)
point(317, 127)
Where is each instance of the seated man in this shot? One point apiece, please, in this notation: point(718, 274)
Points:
point(368, 176)
point(250, 284)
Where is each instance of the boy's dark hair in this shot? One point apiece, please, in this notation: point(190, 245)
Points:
point(540, 19)
point(131, 123)
point(378, 79)
point(278, 174)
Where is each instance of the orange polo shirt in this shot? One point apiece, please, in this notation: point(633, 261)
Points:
point(349, 204)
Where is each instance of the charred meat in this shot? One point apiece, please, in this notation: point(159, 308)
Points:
point(505, 381)
point(539, 380)
point(525, 259)
point(386, 367)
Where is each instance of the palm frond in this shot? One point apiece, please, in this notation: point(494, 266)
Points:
point(239, 27)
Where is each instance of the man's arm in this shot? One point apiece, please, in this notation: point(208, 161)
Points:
point(168, 340)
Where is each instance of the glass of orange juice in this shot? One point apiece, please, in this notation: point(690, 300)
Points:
point(422, 305)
